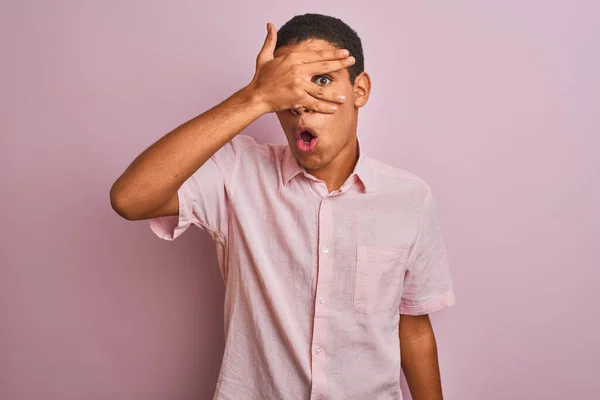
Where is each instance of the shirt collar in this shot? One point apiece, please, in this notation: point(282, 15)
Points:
point(290, 168)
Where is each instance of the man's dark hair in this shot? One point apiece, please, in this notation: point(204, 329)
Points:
point(331, 29)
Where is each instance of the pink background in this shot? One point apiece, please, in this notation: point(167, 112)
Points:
point(494, 103)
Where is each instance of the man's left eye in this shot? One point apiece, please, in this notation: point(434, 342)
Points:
point(319, 80)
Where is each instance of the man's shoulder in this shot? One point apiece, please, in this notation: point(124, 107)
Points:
point(393, 176)
point(251, 147)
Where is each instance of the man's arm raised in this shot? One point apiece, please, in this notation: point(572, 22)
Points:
point(148, 187)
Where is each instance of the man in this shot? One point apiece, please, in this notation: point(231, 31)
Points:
point(331, 260)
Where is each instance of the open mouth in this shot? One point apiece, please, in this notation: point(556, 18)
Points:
point(306, 138)
point(305, 132)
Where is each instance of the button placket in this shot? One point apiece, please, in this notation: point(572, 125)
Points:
point(321, 317)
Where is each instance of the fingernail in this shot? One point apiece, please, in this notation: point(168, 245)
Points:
point(350, 60)
point(342, 97)
point(333, 108)
point(343, 53)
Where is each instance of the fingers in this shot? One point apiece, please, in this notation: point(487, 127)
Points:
point(268, 48)
point(311, 56)
point(324, 67)
point(320, 99)
point(317, 106)
point(322, 93)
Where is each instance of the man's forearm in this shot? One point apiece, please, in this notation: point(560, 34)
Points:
point(420, 361)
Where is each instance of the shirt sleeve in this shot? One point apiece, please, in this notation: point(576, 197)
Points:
point(427, 284)
point(204, 197)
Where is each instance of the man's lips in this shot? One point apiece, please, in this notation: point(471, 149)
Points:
point(304, 128)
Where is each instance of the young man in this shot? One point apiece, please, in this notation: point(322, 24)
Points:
point(321, 248)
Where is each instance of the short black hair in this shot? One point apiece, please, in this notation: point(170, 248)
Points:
point(333, 30)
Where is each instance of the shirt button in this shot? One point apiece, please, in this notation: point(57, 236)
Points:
point(319, 350)
point(325, 249)
point(321, 300)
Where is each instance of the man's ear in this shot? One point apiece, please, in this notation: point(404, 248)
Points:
point(362, 89)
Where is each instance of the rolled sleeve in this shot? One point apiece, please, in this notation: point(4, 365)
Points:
point(428, 283)
point(204, 198)
point(172, 226)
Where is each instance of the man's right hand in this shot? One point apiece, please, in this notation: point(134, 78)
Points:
point(285, 82)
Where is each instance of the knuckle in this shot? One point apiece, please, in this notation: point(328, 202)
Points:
point(290, 56)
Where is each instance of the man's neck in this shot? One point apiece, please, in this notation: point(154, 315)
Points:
point(340, 168)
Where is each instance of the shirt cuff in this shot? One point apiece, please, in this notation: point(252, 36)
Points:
point(428, 306)
point(172, 226)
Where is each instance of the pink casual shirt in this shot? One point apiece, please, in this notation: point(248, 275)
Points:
point(315, 282)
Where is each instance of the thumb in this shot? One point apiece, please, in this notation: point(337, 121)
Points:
point(268, 48)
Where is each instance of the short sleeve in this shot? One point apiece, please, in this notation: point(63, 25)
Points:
point(204, 197)
point(428, 284)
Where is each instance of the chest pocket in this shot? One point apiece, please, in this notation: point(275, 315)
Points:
point(379, 276)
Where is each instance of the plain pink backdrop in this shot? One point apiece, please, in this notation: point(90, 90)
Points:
point(496, 104)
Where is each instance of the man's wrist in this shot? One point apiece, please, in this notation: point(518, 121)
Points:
point(254, 100)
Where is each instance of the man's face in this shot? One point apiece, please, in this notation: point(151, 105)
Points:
point(334, 131)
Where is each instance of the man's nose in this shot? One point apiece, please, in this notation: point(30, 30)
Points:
point(300, 110)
